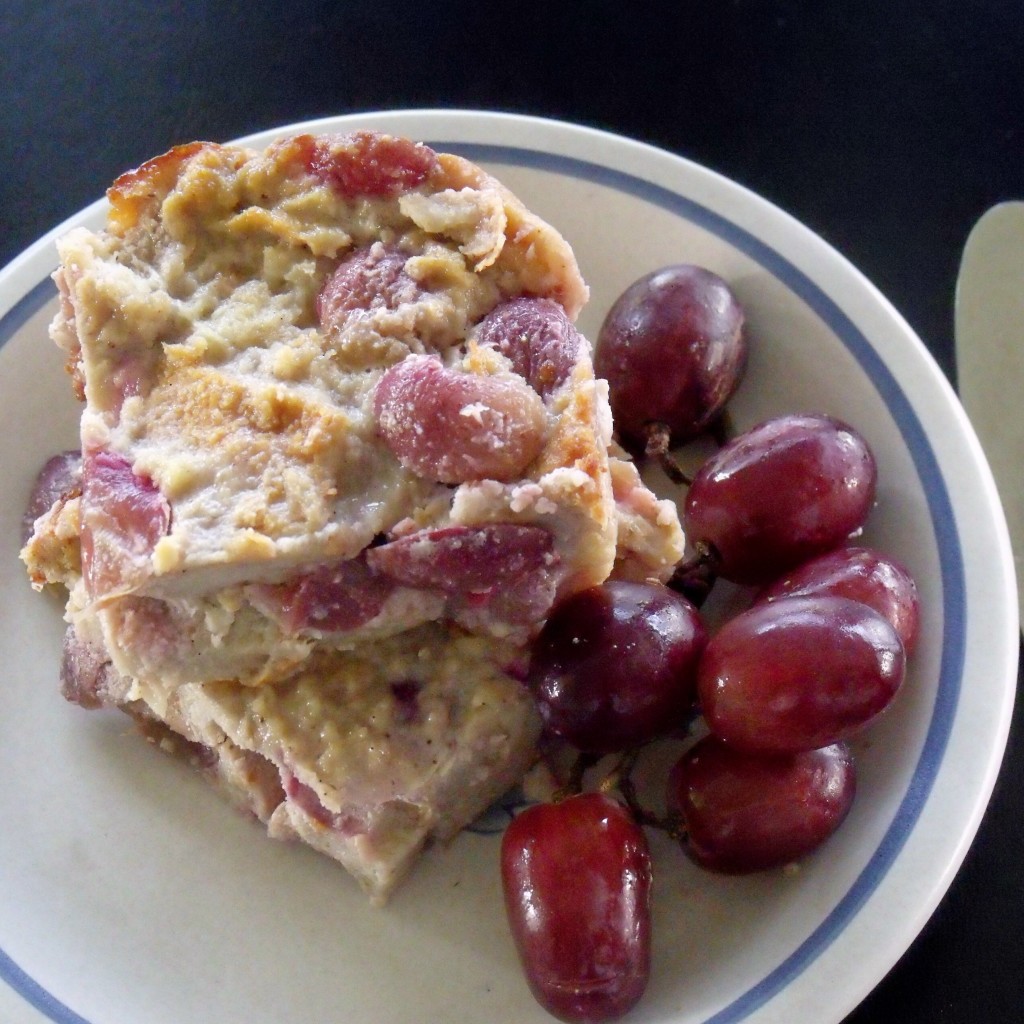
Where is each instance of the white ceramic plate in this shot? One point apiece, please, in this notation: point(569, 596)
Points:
point(130, 895)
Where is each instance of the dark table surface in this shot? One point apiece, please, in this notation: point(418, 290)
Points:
point(886, 128)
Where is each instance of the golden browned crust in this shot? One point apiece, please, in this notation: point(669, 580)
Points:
point(141, 190)
point(534, 252)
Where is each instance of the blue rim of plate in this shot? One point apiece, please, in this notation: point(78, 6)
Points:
point(939, 504)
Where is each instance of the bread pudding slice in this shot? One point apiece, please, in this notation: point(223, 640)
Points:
point(342, 449)
point(367, 756)
point(332, 391)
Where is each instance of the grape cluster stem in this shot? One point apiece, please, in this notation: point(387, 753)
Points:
point(695, 577)
point(620, 778)
point(658, 441)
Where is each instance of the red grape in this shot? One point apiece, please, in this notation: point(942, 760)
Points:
point(368, 279)
point(450, 426)
point(60, 478)
point(798, 673)
point(491, 573)
point(465, 559)
point(779, 494)
point(364, 163)
point(124, 515)
point(862, 575)
point(537, 337)
point(673, 350)
point(333, 597)
point(747, 812)
point(615, 665)
point(577, 877)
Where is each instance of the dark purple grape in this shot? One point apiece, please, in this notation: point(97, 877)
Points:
point(673, 350)
point(798, 673)
point(748, 812)
point(860, 574)
point(576, 877)
point(779, 494)
point(87, 676)
point(615, 665)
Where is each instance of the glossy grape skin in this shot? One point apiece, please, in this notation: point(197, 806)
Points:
point(615, 665)
point(673, 350)
point(798, 673)
point(576, 878)
point(779, 494)
point(751, 812)
point(861, 574)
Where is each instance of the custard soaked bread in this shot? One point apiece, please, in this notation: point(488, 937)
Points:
point(333, 395)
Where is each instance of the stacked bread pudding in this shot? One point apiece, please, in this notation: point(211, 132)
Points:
point(342, 450)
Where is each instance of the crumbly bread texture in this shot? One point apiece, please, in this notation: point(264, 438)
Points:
point(271, 568)
point(368, 755)
point(203, 361)
point(230, 436)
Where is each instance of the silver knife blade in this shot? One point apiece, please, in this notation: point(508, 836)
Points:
point(990, 355)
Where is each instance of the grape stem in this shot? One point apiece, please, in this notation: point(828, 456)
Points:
point(695, 577)
point(657, 442)
point(621, 778)
point(574, 783)
point(658, 445)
